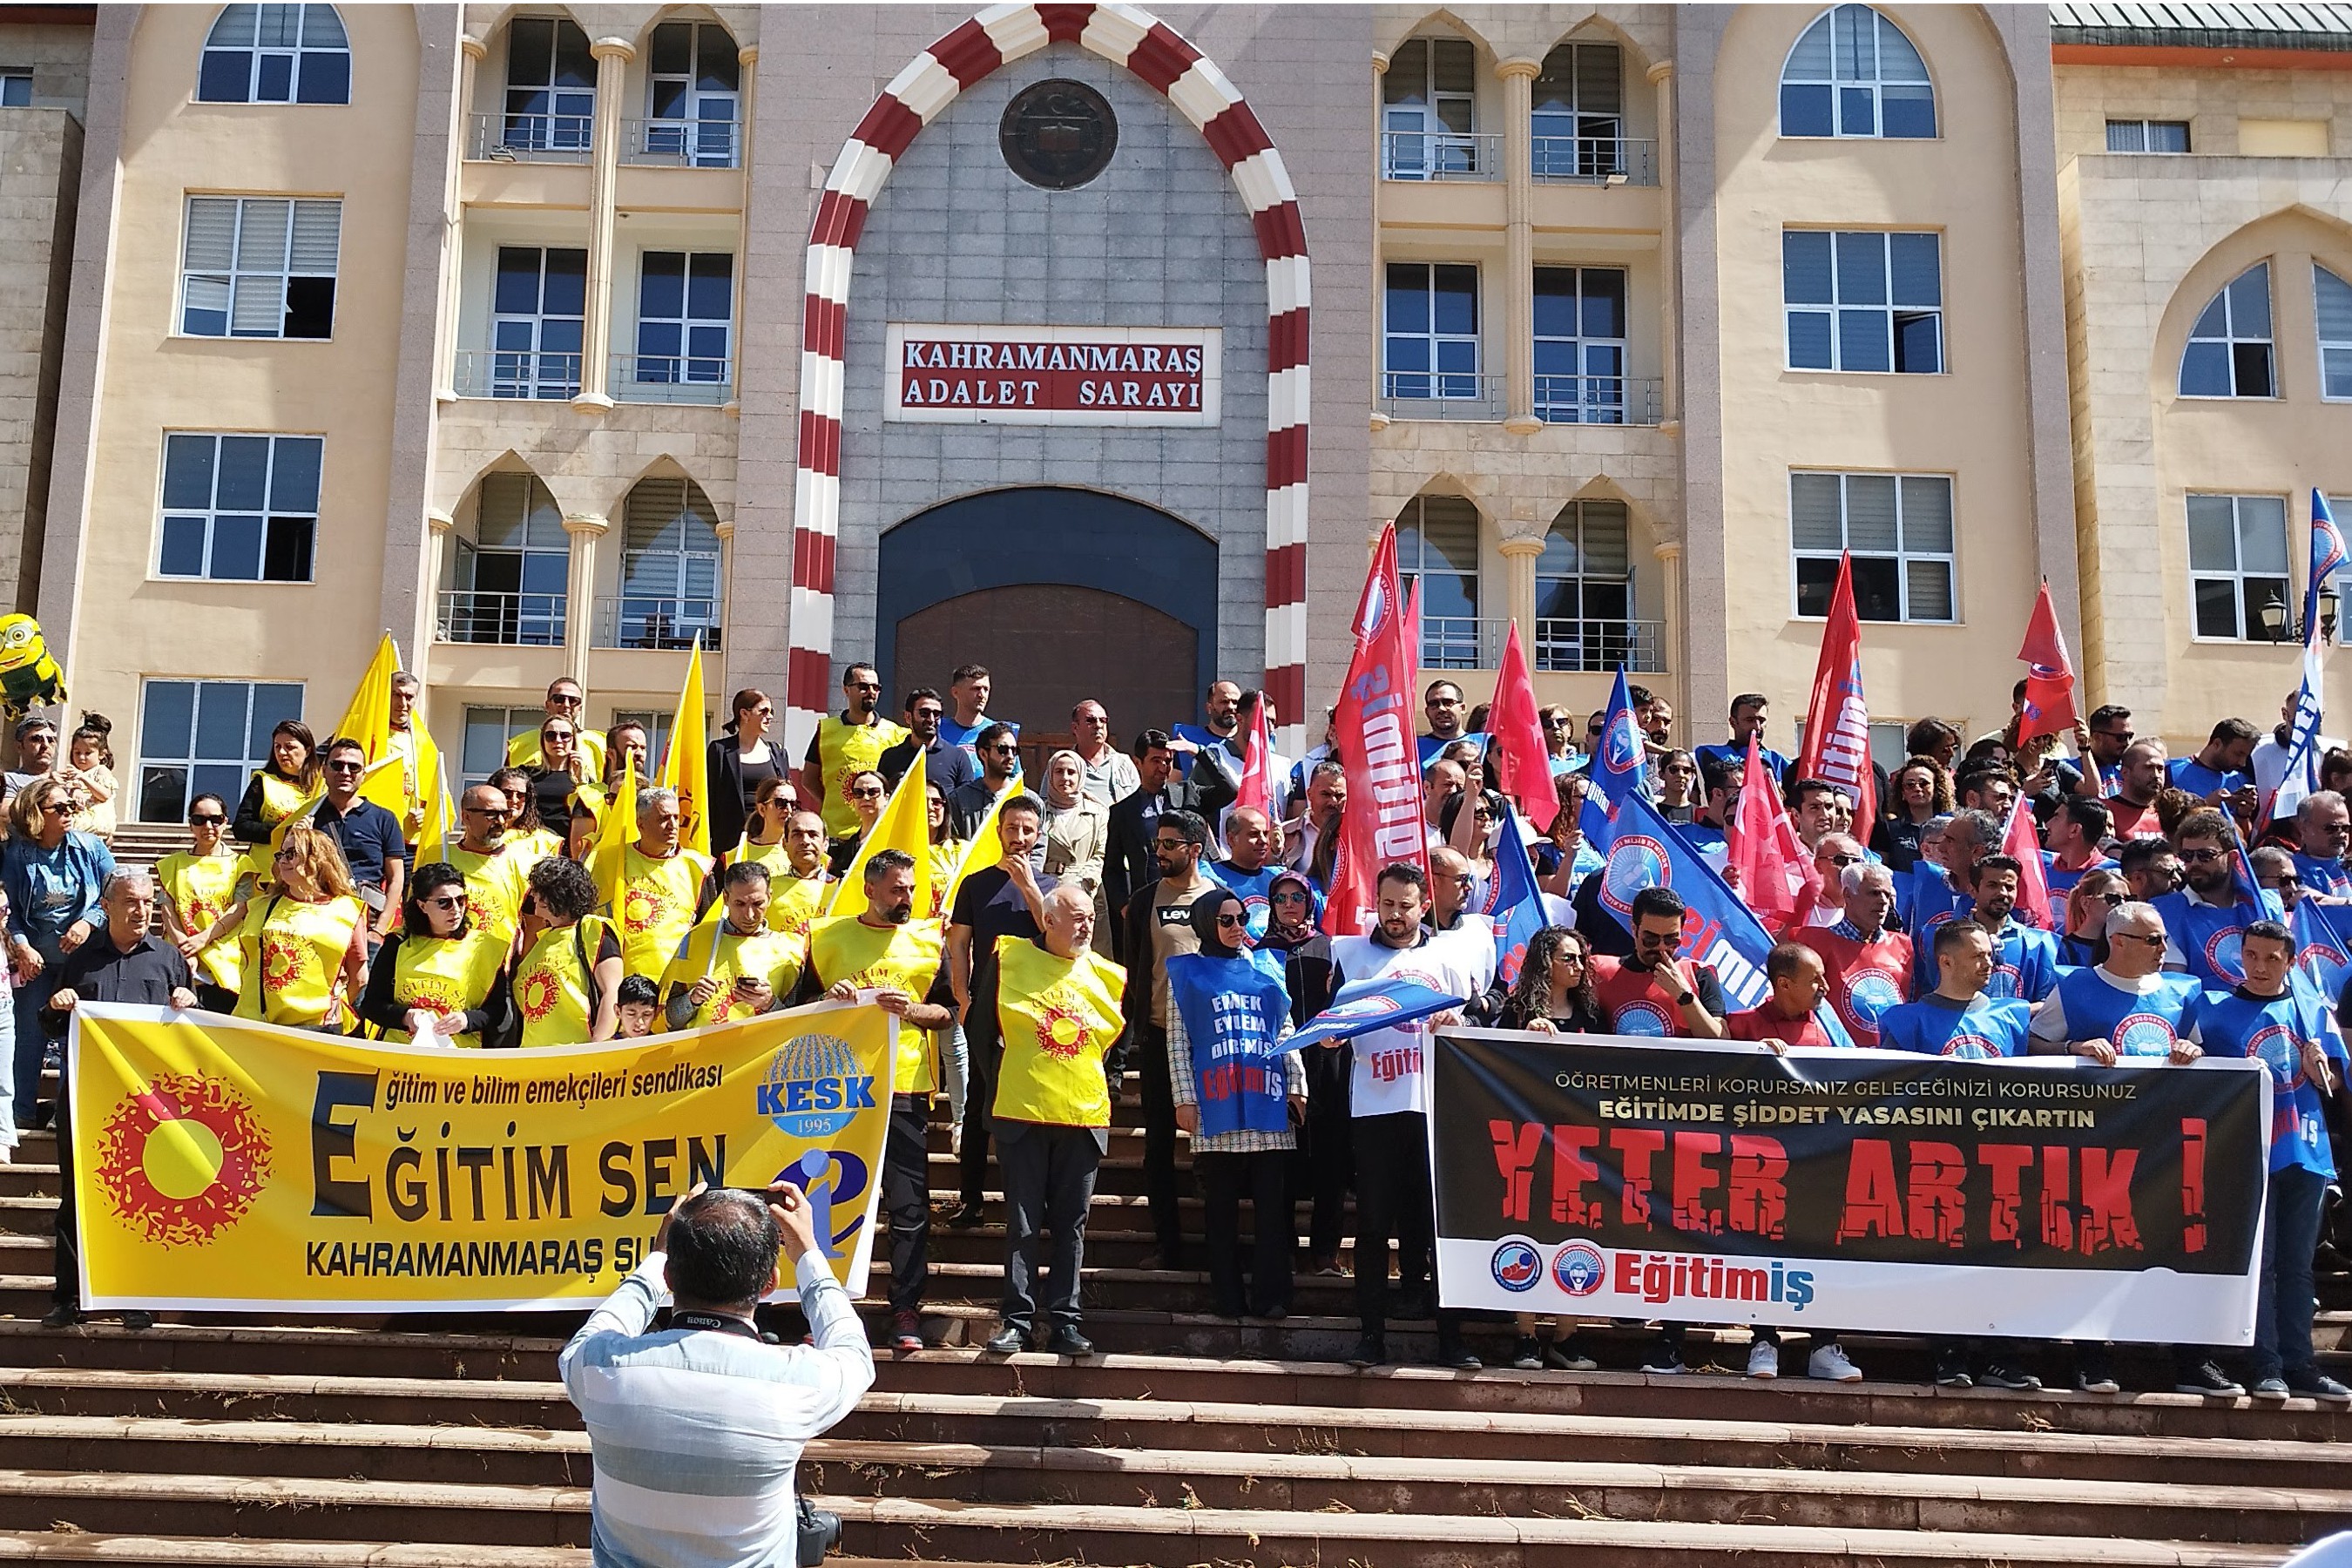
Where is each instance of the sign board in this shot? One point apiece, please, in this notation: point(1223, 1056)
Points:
point(1053, 376)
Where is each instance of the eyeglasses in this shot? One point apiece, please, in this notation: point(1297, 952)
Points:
point(345, 766)
point(446, 901)
point(764, 709)
point(565, 700)
point(1233, 920)
point(2123, 735)
point(207, 821)
point(2202, 856)
point(1555, 724)
point(1282, 897)
point(284, 855)
point(2156, 941)
point(931, 712)
point(1482, 814)
point(1843, 859)
point(488, 811)
point(2285, 879)
point(863, 685)
point(1006, 750)
point(58, 808)
point(869, 793)
point(1171, 845)
point(2113, 900)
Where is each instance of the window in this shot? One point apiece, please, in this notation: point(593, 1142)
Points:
point(1428, 112)
point(276, 54)
point(1584, 591)
point(686, 308)
point(513, 576)
point(695, 77)
point(2228, 351)
point(1863, 300)
point(1438, 547)
point(1578, 114)
point(550, 86)
point(239, 509)
point(2237, 563)
point(669, 568)
point(259, 266)
point(488, 731)
point(2147, 136)
point(538, 322)
point(1898, 528)
point(1431, 346)
point(1854, 73)
point(15, 90)
point(656, 726)
point(204, 737)
point(2333, 301)
point(1580, 323)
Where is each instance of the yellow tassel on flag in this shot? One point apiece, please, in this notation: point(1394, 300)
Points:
point(904, 824)
point(686, 764)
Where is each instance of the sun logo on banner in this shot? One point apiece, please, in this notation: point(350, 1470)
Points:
point(182, 1160)
point(283, 958)
point(1061, 1025)
point(642, 907)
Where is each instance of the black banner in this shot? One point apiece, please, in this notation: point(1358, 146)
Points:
point(1855, 1189)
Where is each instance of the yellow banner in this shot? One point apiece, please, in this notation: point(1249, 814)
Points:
point(223, 1165)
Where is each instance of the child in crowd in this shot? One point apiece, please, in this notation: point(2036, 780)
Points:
point(637, 1006)
point(88, 772)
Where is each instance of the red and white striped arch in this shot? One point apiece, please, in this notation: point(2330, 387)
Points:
point(918, 94)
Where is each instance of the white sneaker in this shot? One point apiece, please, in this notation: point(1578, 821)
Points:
point(1763, 1360)
point(1829, 1364)
point(7, 1154)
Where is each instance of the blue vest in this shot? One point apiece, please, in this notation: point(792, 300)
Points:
point(1233, 1011)
point(2062, 883)
point(2135, 1026)
point(2231, 1024)
point(2024, 964)
point(1701, 836)
point(1774, 763)
point(1982, 1030)
point(2322, 875)
point(2210, 935)
point(1928, 903)
point(1254, 890)
point(2189, 774)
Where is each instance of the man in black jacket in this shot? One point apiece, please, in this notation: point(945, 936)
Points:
point(1158, 922)
point(1128, 863)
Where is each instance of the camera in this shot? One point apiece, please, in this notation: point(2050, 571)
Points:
point(820, 1532)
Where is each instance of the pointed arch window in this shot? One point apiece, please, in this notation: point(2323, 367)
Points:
point(1854, 73)
point(670, 555)
point(2228, 352)
point(2333, 300)
point(1437, 548)
point(513, 576)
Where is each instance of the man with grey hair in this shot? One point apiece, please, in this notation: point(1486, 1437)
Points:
point(1833, 857)
point(1865, 967)
point(2276, 869)
point(125, 965)
point(663, 887)
point(2323, 832)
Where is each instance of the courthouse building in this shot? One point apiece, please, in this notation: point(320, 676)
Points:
point(1095, 344)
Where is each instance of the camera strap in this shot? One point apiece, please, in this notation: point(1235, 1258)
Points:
point(717, 1324)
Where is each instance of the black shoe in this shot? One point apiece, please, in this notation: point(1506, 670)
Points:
point(1952, 1370)
point(966, 1218)
point(1526, 1354)
point(2094, 1370)
point(2209, 1379)
point(2312, 1383)
point(138, 1322)
point(1664, 1361)
point(1452, 1352)
point(2000, 1375)
point(1068, 1341)
point(64, 1315)
point(1007, 1341)
point(1370, 1350)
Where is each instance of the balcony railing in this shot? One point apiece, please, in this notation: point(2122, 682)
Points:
point(1598, 400)
point(510, 620)
point(671, 378)
point(1593, 161)
point(1441, 155)
point(531, 138)
point(682, 143)
point(1441, 394)
point(639, 621)
point(512, 373)
point(1558, 647)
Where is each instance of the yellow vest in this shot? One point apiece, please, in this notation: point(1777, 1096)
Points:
point(522, 751)
point(947, 858)
point(843, 750)
point(764, 955)
point(539, 843)
point(1058, 1016)
point(657, 906)
point(280, 799)
point(552, 985)
point(203, 887)
point(292, 958)
point(495, 884)
point(905, 957)
point(792, 902)
point(445, 975)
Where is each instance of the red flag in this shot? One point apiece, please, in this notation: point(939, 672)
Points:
point(1777, 878)
point(2033, 877)
point(1256, 790)
point(1516, 759)
point(1374, 730)
point(2048, 674)
point(1837, 721)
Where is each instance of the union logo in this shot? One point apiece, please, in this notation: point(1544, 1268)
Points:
point(1971, 1046)
point(2275, 1044)
point(1518, 1266)
point(539, 993)
point(182, 1160)
point(1061, 1025)
point(1580, 1267)
point(2145, 1034)
point(1646, 1018)
point(432, 994)
point(642, 907)
point(1869, 993)
point(1621, 744)
point(2221, 954)
point(1635, 862)
point(2005, 981)
point(283, 959)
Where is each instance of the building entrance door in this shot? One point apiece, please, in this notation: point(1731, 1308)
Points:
point(1064, 594)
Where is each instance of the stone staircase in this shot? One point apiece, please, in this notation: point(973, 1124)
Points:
point(440, 1442)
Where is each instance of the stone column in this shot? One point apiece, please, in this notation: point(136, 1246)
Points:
point(1670, 411)
point(612, 58)
point(725, 528)
point(580, 601)
point(1518, 76)
point(1519, 554)
point(1379, 289)
point(1672, 646)
point(749, 54)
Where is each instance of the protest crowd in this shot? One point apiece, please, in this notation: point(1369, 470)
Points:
point(1167, 906)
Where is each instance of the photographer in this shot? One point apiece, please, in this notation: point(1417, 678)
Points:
point(695, 1430)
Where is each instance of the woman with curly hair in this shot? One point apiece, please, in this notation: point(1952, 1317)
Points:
point(1917, 793)
point(1553, 995)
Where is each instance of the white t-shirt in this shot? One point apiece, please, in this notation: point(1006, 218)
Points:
point(1390, 1067)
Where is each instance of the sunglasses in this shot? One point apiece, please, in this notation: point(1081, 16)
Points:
point(764, 710)
point(1290, 898)
point(488, 811)
point(865, 795)
point(565, 702)
point(2136, 936)
point(57, 808)
point(863, 685)
point(2113, 900)
point(447, 903)
point(2202, 856)
point(345, 767)
point(1170, 845)
point(1005, 751)
point(207, 821)
point(931, 712)
point(1844, 860)
point(1233, 920)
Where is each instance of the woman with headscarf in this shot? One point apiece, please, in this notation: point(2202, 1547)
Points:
point(1553, 995)
point(1228, 1011)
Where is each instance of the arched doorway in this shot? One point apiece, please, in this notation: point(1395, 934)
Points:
point(1064, 594)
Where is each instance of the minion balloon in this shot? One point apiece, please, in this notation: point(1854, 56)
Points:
point(28, 676)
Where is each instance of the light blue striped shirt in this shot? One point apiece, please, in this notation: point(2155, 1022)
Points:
point(695, 1434)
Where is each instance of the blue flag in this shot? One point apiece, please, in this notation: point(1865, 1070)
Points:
point(2301, 779)
point(1366, 1005)
point(2322, 943)
point(1620, 760)
point(1513, 902)
point(1642, 849)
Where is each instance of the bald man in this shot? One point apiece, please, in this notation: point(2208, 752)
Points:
point(1249, 867)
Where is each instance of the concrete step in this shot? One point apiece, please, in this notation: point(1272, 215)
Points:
point(145, 1550)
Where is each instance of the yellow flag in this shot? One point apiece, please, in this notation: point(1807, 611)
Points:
point(433, 844)
point(367, 718)
point(987, 850)
point(609, 860)
point(904, 824)
point(685, 764)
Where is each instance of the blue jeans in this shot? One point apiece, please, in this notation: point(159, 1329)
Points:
point(2283, 1311)
point(30, 1043)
